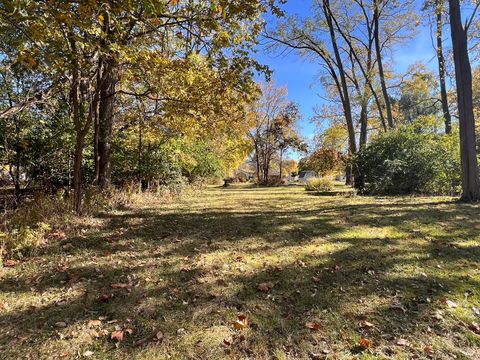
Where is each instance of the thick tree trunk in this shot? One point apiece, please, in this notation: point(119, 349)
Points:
point(441, 67)
point(96, 122)
point(106, 119)
point(381, 73)
point(463, 76)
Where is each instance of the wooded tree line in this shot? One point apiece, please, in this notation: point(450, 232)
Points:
point(354, 41)
point(156, 90)
point(81, 77)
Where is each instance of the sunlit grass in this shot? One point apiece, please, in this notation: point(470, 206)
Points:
point(194, 265)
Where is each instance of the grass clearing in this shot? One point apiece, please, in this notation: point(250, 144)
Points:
point(361, 267)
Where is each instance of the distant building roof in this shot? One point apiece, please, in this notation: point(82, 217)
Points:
point(306, 173)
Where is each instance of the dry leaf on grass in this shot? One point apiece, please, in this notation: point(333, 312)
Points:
point(265, 287)
point(428, 349)
point(365, 344)
point(121, 286)
point(105, 297)
point(367, 324)
point(449, 303)
point(10, 263)
point(120, 334)
point(313, 325)
point(94, 323)
point(241, 322)
point(403, 342)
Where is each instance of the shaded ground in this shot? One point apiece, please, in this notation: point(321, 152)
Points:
point(401, 272)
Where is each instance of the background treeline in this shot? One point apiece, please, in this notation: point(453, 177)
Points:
point(380, 125)
point(100, 92)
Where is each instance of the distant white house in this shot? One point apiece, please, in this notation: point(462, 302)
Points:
point(304, 176)
point(292, 178)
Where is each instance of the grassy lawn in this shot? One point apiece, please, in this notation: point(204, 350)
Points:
point(401, 272)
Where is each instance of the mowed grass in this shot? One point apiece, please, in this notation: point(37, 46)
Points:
point(402, 272)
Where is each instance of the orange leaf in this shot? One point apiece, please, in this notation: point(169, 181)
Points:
point(365, 344)
point(11, 263)
point(313, 325)
point(241, 323)
point(117, 335)
point(428, 349)
point(94, 323)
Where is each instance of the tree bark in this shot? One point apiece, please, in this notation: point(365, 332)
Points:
point(106, 119)
point(343, 81)
point(381, 73)
point(463, 77)
point(441, 67)
point(77, 173)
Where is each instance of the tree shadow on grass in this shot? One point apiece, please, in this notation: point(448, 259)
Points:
point(392, 283)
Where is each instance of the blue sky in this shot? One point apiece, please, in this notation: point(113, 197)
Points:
point(300, 75)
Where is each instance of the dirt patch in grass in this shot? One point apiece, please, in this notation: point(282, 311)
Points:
point(170, 280)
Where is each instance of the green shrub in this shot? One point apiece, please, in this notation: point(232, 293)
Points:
point(320, 184)
point(411, 159)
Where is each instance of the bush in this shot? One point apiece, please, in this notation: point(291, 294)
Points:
point(409, 160)
point(319, 184)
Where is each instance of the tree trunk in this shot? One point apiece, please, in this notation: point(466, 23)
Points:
point(77, 172)
point(441, 67)
point(343, 81)
point(281, 163)
point(463, 77)
point(96, 122)
point(348, 175)
point(381, 73)
point(106, 119)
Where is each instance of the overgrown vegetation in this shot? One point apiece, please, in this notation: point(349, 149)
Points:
point(415, 158)
point(320, 184)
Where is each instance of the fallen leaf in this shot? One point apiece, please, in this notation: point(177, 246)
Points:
point(4, 306)
point(428, 349)
point(121, 286)
point(449, 303)
point(476, 310)
point(313, 325)
point(241, 323)
point(94, 323)
point(61, 324)
point(105, 297)
point(11, 263)
point(159, 335)
point(367, 324)
point(403, 342)
point(265, 287)
point(117, 335)
point(365, 344)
